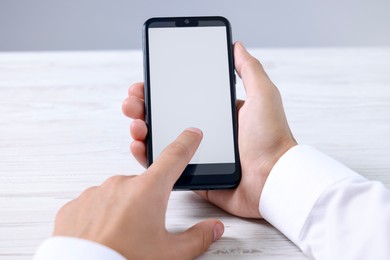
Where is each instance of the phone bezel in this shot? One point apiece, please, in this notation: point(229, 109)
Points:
point(188, 181)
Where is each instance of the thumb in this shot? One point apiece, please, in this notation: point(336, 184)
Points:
point(198, 238)
point(250, 71)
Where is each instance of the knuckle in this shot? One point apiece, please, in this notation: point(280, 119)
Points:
point(63, 211)
point(255, 62)
point(88, 191)
point(178, 149)
point(251, 66)
point(205, 244)
point(275, 94)
point(114, 180)
point(252, 63)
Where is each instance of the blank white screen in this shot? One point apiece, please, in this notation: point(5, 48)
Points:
point(189, 87)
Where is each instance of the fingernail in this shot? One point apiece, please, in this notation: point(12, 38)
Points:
point(240, 43)
point(195, 130)
point(218, 231)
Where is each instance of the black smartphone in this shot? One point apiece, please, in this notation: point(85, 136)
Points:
point(190, 82)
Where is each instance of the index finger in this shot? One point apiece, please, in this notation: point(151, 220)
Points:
point(175, 157)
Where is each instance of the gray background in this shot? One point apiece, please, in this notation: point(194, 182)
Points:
point(117, 24)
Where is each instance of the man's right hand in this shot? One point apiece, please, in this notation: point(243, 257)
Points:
point(264, 135)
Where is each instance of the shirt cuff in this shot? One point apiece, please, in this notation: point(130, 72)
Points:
point(74, 248)
point(294, 185)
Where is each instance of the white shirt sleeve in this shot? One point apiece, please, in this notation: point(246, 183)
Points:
point(325, 208)
point(65, 248)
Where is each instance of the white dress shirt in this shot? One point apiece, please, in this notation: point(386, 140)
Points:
point(325, 208)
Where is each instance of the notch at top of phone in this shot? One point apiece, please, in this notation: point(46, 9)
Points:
point(187, 22)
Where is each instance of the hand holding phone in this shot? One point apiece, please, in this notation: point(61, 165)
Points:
point(264, 135)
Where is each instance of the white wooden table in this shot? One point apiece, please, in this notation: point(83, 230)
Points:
point(61, 131)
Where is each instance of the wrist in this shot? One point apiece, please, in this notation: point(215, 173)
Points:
point(275, 153)
point(273, 156)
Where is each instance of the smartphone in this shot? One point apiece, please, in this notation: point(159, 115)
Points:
point(190, 82)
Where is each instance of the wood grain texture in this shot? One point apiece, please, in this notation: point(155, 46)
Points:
point(61, 131)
